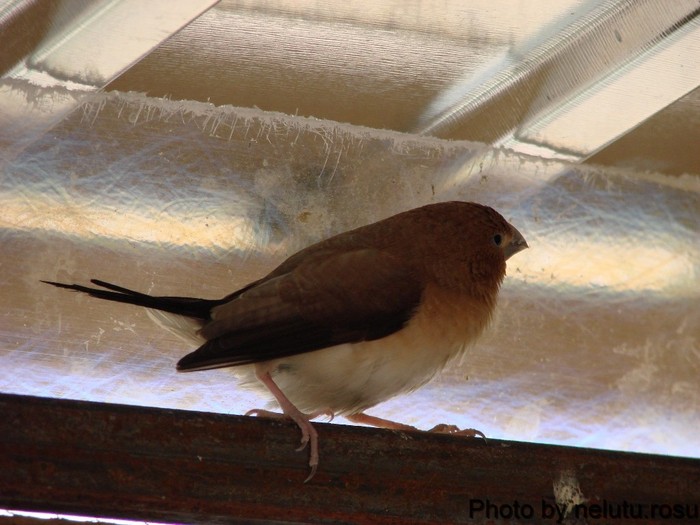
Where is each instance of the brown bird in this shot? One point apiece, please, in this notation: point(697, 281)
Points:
point(355, 319)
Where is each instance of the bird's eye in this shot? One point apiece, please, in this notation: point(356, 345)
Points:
point(497, 239)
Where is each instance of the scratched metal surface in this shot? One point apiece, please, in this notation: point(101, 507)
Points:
point(170, 466)
point(596, 338)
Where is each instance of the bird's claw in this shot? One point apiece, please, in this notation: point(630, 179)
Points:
point(454, 430)
point(304, 439)
point(264, 413)
point(324, 412)
point(301, 422)
point(308, 432)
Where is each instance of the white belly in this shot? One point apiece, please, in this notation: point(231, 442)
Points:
point(351, 378)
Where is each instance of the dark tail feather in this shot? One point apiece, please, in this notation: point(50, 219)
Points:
point(187, 306)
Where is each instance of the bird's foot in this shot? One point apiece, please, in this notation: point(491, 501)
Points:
point(439, 429)
point(309, 436)
point(454, 430)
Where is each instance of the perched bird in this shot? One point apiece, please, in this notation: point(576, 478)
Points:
point(355, 319)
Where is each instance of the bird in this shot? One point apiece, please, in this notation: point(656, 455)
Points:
point(353, 320)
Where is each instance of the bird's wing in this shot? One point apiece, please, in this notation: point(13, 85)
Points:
point(329, 299)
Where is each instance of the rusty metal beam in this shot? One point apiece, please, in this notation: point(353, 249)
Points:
point(176, 466)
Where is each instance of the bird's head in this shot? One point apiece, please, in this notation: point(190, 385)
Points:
point(469, 245)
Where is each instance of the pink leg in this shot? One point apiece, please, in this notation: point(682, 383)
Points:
point(379, 422)
point(308, 432)
point(386, 423)
point(269, 413)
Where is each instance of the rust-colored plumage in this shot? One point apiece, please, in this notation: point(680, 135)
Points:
point(357, 318)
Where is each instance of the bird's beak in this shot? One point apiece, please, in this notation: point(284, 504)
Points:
point(517, 244)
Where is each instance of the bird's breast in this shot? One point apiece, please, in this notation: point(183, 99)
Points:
point(353, 377)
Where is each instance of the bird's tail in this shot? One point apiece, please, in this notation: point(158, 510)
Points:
point(187, 306)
